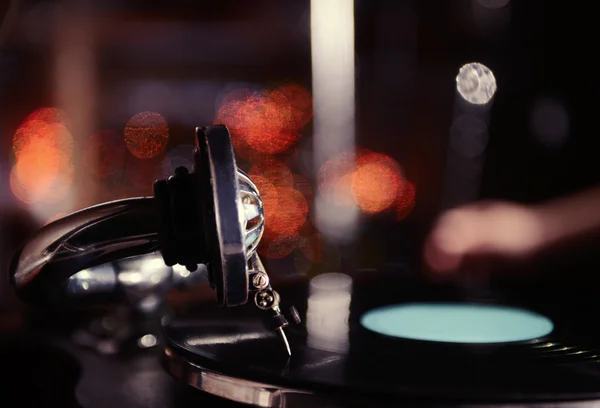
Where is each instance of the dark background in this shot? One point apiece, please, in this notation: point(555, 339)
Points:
point(407, 56)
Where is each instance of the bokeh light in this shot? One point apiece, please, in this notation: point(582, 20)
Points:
point(42, 148)
point(265, 122)
point(18, 190)
point(372, 181)
point(285, 206)
point(54, 135)
point(268, 193)
point(146, 135)
point(476, 83)
point(273, 170)
point(292, 210)
point(375, 186)
point(45, 174)
point(280, 246)
point(50, 115)
point(334, 179)
point(406, 200)
point(300, 102)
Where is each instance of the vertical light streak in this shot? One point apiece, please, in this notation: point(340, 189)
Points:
point(75, 82)
point(333, 87)
point(475, 89)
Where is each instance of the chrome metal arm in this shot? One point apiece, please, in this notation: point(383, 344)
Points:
point(82, 240)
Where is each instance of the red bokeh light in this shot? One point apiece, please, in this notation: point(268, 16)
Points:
point(285, 207)
point(50, 115)
point(406, 200)
point(268, 193)
point(146, 135)
point(280, 246)
point(291, 214)
point(275, 171)
point(267, 122)
point(300, 101)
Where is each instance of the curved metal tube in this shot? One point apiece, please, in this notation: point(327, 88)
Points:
point(87, 238)
point(213, 216)
point(101, 234)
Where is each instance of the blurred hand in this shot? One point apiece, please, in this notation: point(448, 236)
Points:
point(482, 229)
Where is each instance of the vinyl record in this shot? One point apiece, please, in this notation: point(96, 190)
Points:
point(336, 357)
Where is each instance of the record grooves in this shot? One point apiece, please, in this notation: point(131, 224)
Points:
point(363, 365)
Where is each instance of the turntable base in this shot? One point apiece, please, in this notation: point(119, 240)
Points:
point(336, 361)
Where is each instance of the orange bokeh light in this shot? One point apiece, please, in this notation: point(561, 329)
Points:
point(280, 246)
point(340, 191)
point(275, 171)
point(42, 147)
point(291, 214)
point(43, 173)
point(375, 183)
point(370, 180)
point(49, 115)
point(268, 193)
point(265, 123)
point(333, 178)
point(54, 136)
point(300, 101)
point(285, 207)
point(146, 135)
point(17, 189)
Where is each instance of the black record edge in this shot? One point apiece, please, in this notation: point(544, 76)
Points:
point(209, 357)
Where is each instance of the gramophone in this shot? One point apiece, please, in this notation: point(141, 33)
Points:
point(212, 216)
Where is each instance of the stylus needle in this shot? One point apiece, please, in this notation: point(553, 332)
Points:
point(285, 340)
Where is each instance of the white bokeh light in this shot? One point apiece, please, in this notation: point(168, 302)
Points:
point(476, 83)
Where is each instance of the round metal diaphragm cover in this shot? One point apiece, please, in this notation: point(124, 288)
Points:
point(222, 212)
